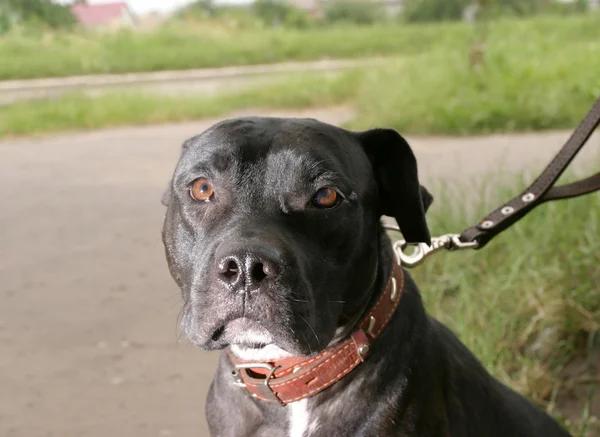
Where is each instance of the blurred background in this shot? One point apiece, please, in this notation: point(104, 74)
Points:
point(96, 98)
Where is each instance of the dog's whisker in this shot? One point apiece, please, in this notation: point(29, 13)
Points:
point(291, 299)
point(310, 351)
point(180, 335)
point(178, 331)
point(175, 304)
point(172, 296)
point(311, 328)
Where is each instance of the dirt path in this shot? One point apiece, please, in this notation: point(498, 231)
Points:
point(88, 341)
point(207, 81)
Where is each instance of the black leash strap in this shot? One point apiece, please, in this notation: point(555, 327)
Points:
point(543, 189)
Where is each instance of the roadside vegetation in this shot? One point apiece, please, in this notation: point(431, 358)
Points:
point(180, 46)
point(527, 304)
point(206, 36)
point(77, 111)
point(535, 74)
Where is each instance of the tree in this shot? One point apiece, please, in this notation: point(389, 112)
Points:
point(272, 12)
point(354, 11)
point(45, 11)
point(435, 10)
point(439, 10)
point(206, 6)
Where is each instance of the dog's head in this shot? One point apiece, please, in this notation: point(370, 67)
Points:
point(272, 228)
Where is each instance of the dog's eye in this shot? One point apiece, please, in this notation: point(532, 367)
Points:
point(326, 197)
point(201, 190)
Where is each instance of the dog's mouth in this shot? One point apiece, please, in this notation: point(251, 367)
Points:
point(248, 340)
point(242, 332)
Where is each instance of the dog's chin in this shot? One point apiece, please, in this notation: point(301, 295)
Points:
point(246, 332)
point(249, 340)
point(269, 352)
point(241, 332)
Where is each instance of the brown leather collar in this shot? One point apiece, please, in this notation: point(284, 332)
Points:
point(294, 378)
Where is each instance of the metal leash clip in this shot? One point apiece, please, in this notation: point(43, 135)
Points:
point(420, 251)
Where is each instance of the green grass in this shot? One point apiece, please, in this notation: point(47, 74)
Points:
point(533, 83)
point(179, 47)
point(543, 82)
point(528, 303)
point(77, 111)
point(29, 53)
point(537, 74)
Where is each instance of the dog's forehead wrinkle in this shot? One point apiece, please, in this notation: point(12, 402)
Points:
point(296, 166)
point(250, 185)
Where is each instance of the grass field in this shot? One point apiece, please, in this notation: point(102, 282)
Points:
point(183, 46)
point(77, 111)
point(522, 86)
point(537, 74)
point(531, 79)
point(527, 304)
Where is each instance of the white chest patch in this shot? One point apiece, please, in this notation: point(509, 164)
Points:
point(299, 419)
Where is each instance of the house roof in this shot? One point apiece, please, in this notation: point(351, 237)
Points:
point(98, 14)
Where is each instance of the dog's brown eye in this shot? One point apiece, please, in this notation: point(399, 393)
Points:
point(201, 190)
point(326, 197)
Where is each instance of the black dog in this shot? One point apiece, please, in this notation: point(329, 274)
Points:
point(273, 234)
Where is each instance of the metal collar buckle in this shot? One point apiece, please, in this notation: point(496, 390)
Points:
point(265, 388)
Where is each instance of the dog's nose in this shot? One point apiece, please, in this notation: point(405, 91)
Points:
point(247, 271)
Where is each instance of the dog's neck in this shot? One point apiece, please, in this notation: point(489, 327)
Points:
point(383, 270)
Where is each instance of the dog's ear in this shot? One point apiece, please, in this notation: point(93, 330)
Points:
point(400, 194)
point(165, 199)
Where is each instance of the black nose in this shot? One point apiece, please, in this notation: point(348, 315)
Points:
point(247, 271)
